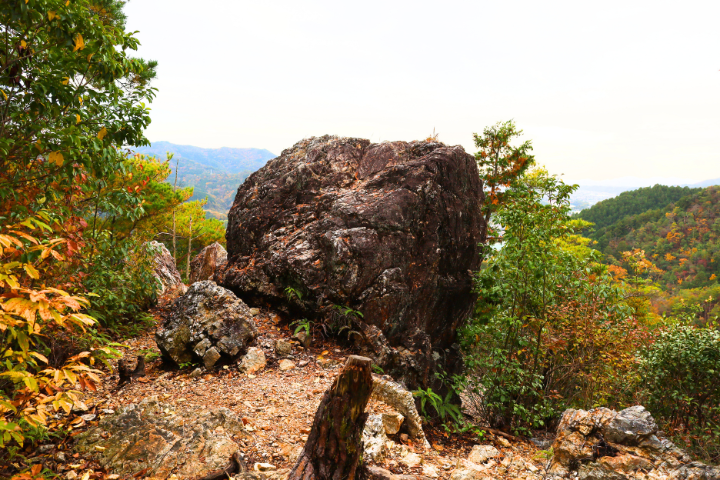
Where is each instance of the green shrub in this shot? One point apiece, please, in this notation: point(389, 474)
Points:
point(680, 373)
point(120, 277)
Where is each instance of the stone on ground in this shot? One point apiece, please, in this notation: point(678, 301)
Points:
point(283, 348)
point(401, 400)
point(206, 323)
point(374, 439)
point(483, 453)
point(253, 361)
point(286, 364)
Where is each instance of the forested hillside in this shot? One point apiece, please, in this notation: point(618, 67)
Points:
point(214, 173)
point(609, 212)
point(681, 238)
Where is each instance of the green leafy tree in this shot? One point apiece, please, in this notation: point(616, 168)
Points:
point(547, 316)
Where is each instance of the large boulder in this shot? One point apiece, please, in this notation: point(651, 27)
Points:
point(165, 270)
point(205, 263)
point(390, 230)
point(605, 444)
point(150, 437)
point(206, 323)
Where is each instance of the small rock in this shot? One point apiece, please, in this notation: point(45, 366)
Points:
point(430, 471)
point(71, 475)
point(211, 357)
point(114, 476)
point(377, 473)
point(88, 417)
point(302, 363)
point(303, 338)
point(404, 437)
point(254, 311)
point(482, 453)
point(45, 448)
point(107, 411)
point(283, 348)
point(253, 361)
point(264, 467)
point(202, 347)
point(541, 443)
point(503, 442)
point(286, 365)
point(411, 460)
point(60, 457)
point(392, 422)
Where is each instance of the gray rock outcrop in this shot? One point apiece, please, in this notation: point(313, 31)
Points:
point(205, 263)
point(165, 270)
point(605, 444)
point(205, 324)
point(151, 437)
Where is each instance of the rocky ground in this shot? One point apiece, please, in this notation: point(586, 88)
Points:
point(276, 405)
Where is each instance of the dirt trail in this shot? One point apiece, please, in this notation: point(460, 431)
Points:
point(279, 406)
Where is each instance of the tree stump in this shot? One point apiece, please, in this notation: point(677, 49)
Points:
point(333, 448)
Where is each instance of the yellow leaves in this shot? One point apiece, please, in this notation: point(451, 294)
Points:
point(56, 158)
point(23, 43)
point(79, 43)
point(66, 80)
point(90, 56)
point(32, 271)
point(713, 277)
point(4, 94)
point(101, 134)
point(77, 118)
point(52, 15)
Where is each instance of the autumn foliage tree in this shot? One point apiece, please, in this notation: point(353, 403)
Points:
point(500, 164)
point(71, 96)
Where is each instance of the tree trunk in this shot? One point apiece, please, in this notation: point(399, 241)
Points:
point(187, 274)
point(334, 445)
point(177, 164)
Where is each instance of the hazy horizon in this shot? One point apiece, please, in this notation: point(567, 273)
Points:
point(603, 91)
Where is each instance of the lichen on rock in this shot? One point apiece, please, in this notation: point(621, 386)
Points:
point(151, 436)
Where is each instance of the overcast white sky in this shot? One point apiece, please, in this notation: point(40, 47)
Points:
point(603, 89)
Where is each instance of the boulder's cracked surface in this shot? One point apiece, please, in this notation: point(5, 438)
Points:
point(150, 437)
point(206, 323)
point(391, 230)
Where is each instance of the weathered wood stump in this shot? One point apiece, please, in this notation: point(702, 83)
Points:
point(333, 448)
point(126, 375)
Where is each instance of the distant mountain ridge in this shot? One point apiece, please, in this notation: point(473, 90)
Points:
point(224, 159)
point(214, 173)
point(591, 192)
